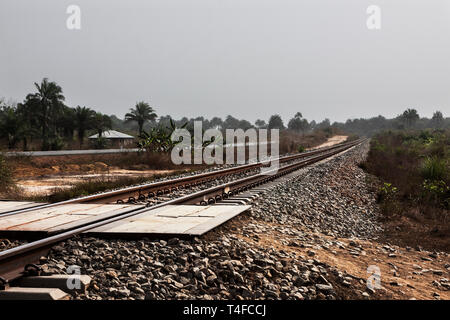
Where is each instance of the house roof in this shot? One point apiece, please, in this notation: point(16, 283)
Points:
point(112, 134)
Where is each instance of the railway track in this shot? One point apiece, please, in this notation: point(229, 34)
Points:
point(18, 261)
point(151, 191)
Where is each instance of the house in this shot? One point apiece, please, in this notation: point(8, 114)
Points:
point(115, 139)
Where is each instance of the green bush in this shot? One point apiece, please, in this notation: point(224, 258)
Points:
point(387, 198)
point(387, 191)
point(437, 191)
point(434, 168)
point(301, 149)
point(100, 143)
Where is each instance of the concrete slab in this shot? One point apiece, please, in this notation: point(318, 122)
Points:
point(59, 281)
point(232, 201)
point(181, 220)
point(19, 293)
point(59, 218)
point(8, 206)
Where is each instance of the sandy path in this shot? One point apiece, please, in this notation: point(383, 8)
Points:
point(47, 184)
point(331, 141)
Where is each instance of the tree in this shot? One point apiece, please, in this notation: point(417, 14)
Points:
point(46, 104)
point(11, 126)
point(84, 120)
point(410, 117)
point(29, 124)
point(141, 114)
point(260, 124)
point(294, 124)
point(66, 122)
point(298, 124)
point(275, 122)
point(324, 124)
point(216, 122)
point(437, 120)
point(230, 123)
point(101, 122)
point(244, 125)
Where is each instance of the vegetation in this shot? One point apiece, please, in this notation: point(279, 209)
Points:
point(44, 122)
point(158, 139)
point(6, 181)
point(301, 149)
point(141, 113)
point(299, 124)
point(93, 186)
point(408, 120)
point(414, 167)
point(83, 122)
point(44, 117)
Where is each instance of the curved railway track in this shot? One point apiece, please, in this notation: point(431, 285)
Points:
point(15, 262)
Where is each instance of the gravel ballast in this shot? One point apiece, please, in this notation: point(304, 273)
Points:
point(232, 262)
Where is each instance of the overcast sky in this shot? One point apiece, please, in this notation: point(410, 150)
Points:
point(247, 58)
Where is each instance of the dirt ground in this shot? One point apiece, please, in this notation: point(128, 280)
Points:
point(331, 141)
point(45, 185)
point(405, 273)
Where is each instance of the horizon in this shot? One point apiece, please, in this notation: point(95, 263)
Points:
point(285, 120)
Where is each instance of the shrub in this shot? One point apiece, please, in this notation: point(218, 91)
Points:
point(387, 191)
point(301, 149)
point(387, 197)
point(100, 143)
point(437, 192)
point(434, 168)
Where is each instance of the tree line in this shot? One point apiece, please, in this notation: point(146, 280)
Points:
point(43, 117)
point(408, 120)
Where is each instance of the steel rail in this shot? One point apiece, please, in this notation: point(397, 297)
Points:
point(166, 186)
point(12, 261)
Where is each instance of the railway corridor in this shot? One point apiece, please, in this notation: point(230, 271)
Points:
point(309, 233)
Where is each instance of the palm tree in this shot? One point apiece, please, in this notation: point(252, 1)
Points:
point(29, 122)
point(101, 123)
point(437, 119)
point(10, 125)
point(66, 122)
point(141, 113)
point(410, 116)
point(47, 102)
point(83, 121)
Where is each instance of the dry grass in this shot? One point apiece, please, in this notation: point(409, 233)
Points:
point(414, 192)
point(93, 186)
point(81, 164)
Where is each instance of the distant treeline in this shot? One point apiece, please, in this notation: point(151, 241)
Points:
point(43, 121)
point(409, 119)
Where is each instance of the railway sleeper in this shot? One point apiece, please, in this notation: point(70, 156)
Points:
point(55, 287)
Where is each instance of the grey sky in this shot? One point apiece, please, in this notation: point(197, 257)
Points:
point(248, 58)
